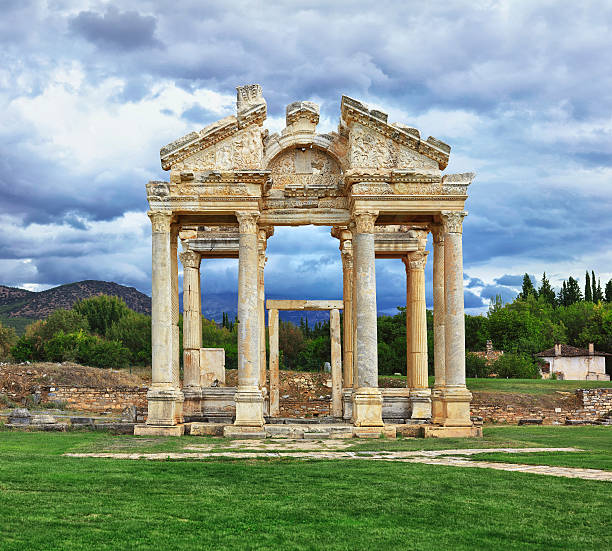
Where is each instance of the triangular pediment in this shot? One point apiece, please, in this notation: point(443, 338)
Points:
point(375, 143)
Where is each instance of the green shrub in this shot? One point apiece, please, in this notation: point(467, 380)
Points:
point(515, 366)
point(24, 350)
point(66, 321)
point(107, 354)
point(101, 312)
point(476, 366)
point(134, 332)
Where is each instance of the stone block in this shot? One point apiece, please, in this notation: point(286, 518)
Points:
point(20, 416)
point(530, 421)
point(367, 407)
point(206, 429)
point(410, 431)
point(432, 431)
point(241, 432)
point(152, 430)
point(212, 367)
point(316, 435)
point(388, 431)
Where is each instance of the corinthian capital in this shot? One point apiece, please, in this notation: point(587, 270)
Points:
point(364, 220)
point(416, 260)
point(160, 221)
point(247, 221)
point(437, 232)
point(346, 250)
point(190, 259)
point(453, 220)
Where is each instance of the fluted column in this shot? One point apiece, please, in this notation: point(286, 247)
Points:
point(249, 400)
point(346, 248)
point(176, 344)
point(164, 396)
point(261, 304)
point(367, 399)
point(417, 375)
point(336, 363)
point(274, 367)
point(456, 397)
point(438, 322)
point(192, 318)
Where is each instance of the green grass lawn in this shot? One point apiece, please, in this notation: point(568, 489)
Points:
point(50, 502)
point(522, 386)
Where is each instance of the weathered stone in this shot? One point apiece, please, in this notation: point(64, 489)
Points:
point(20, 416)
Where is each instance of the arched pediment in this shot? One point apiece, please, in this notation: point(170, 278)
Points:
point(305, 167)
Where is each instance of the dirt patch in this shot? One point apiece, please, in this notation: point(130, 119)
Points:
point(18, 381)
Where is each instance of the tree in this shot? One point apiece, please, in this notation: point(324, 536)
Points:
point(8, 338)
point(133, 331)
point(528, 288)
point(598, 295)
point(573, 293)
point(67, 321)
point(546, 292)
point(593, 287)
point(101, 312)
point(588, 292)
point(476, 333)
point(608, 295)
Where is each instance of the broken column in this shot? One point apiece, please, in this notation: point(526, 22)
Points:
point(274, 367)
point(438, 323)
point(336, 363)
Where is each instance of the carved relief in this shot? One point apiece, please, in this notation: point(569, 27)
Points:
point(371, 189)
point(317, 170)
point(243, 150)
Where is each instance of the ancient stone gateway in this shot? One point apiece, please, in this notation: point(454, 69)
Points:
point(381, 189)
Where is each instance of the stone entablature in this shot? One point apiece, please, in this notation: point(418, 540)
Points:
point(381, 188)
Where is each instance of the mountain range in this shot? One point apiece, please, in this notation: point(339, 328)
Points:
point(18, 303)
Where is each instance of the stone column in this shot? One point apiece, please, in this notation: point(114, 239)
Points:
point(165, 400)
point(176, 342)
point(438, 315)
point(261, 305)
point(346, 248)
point(249, 399)
point(336, 363)
point(274, 367)
point(417, 375)
point(192, 332)
point(367, 398)
point(456, 397)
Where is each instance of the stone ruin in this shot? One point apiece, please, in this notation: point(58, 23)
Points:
point(381, 188)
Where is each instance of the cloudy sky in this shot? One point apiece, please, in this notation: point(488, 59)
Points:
point(90, 91)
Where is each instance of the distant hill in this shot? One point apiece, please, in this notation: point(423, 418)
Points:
point(18, 303)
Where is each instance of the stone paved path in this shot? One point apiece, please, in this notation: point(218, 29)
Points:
point(429, 457)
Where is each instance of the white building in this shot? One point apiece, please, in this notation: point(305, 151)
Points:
point(575, 364)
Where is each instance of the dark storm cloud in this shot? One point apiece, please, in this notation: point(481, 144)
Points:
point(116, 30)
point(528, 78)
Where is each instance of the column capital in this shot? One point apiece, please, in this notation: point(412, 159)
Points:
point(453, 220)
point(364, 220)
point(247, 221)
point(190, 259)
point(415, 260)
point(160, 220)
point(437, 232)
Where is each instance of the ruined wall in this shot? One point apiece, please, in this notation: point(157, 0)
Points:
point(98, 400)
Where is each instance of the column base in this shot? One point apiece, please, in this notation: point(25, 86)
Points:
point(192, 406)
point(455, 407)
point(420, 400)
point(437, 406)
point(249, 407)
point(367, 407)
point(165, 406)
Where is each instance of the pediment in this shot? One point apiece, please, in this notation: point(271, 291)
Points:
point(376, 144)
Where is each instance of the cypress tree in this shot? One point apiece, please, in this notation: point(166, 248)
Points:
point(608, 296)
point(593, 286)
point(598, 297)
point(588, 293)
